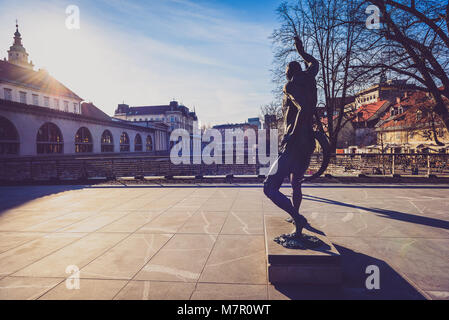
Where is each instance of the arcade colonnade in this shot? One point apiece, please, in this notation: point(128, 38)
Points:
point(27, 134)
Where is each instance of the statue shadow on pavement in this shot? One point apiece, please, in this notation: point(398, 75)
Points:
point(392, 285)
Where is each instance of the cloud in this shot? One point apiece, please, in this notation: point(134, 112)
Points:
point(148, 53)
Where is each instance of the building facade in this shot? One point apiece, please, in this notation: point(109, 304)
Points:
point(410, 126)
point(20, 83)
point(39, 116)
point(37, 131)
point(174, 115)
point(386, 90)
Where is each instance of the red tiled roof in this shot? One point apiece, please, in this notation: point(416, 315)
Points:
point(417, 101)
point(365, 112)
point(37, 80)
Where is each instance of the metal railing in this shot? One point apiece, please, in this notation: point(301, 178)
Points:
point(387, 164)
point(131, 165)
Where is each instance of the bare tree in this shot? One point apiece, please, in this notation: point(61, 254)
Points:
point(274, 115)
point(273, 109)
point(412, 42)
point(327, 30)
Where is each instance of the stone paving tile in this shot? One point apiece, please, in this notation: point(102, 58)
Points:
point(18, 258)
point(247, 203)
point(237, 259)
point(24, 222)
point(60, 222)
point(89, 290)
point(239, 222)
point(167, 222)
point(433, 208)
point(77, 254)
point(204, 222)
point(154, 290)
point(127, 258)
point(14, 214)
point(9, 240)
point(217, 204)
point(19, 288)
point(220, 291)
point(131, 222)
point(95, 222)
point(407, 235)
point(181, 259)
point(423, 261)
point(358, 223)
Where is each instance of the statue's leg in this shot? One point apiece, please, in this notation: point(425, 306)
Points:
point(271, 189)
point(274, 181)
point(297, 199)
point(297, 191)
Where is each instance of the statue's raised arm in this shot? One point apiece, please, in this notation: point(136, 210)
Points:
point(312, 63)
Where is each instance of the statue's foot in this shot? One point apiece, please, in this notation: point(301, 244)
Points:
point(298, 241)
point(290, 220)
point(290, 243)
point(304, 221)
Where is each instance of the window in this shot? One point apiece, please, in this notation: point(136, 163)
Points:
point(46, 101)
point(418, 115)
point(75, 108)
point(56, 102)
point(124, 142)
point(9, 139)
point(8, 94)
point(149, 143)
point(83, 141)
point(35, 99)
point(23, 97)
point(107, 142)
point(49, 139)
point(66, 106)
point(138, 143)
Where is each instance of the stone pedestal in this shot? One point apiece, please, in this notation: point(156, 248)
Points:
point(311, 266)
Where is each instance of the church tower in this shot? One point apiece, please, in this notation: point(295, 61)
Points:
point(17, 53)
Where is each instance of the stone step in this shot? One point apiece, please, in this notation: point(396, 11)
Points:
point(311, 266)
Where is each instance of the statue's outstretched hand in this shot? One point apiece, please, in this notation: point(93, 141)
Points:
point(299, 45)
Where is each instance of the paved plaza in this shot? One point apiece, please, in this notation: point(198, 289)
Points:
point(207, 242)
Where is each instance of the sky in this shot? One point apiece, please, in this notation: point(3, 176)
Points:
point(213, 55)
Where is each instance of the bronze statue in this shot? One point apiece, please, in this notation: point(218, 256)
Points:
point(297, 147)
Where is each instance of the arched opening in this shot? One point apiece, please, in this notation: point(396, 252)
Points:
point(83, 141)
point(49, 139)
point(138, 143)
point(149, 143)
point(124, 142)
point(107, 142)
point(9, 138)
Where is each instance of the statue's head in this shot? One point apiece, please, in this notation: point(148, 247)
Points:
point(292, 68)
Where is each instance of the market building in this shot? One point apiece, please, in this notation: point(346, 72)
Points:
point(41, 116)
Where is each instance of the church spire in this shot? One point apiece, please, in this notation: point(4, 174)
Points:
point(17, 53)
point(17, 35)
